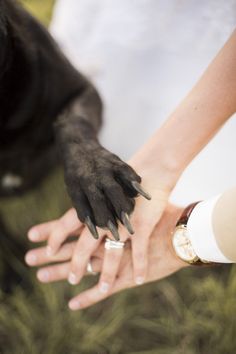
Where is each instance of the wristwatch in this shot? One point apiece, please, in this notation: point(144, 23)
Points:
point(181, 242)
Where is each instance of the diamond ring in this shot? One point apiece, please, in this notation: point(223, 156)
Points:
point(111, 244)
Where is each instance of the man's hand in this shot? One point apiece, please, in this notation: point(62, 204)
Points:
point(162, 262)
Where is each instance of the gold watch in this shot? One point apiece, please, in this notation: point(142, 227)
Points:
point(181, 241)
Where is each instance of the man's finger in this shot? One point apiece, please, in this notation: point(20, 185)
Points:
point(140, 258)
point(94, 295)
point(87, 298)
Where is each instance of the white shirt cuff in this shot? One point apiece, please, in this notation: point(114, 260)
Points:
point(201, 233)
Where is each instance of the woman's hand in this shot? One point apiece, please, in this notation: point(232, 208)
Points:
point(162, 262)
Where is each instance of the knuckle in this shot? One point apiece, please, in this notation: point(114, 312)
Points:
point(74, 268)
point(107, 277)
point(81, 256)
point(76, 261)
point(62, 223)
point(53, 241)
point(140, 267)
point(116, 255)
point(58, 232)
point(139, 256)
point(142, 225)
point(65, 222)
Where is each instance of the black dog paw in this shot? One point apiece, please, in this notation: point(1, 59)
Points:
point(102, 188)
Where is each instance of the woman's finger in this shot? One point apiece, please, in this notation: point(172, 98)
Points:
point(110, 268)
point(66, 226)
point(140, 258)
point(39, 256)
point(83, 251)
point(42, 232)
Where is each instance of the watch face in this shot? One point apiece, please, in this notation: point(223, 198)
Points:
point(183, 246)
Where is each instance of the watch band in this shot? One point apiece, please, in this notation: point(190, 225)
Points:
point(183, 220)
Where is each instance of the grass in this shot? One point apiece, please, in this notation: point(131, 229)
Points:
point(40, 8)
point(192, 312)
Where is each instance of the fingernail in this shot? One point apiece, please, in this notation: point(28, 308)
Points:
point(33, 235)
point(43, 275)
point(139, 280)
point(49, 251)
point(30, 259)
point(104, 287)
point(74, 305)
point(72, 279)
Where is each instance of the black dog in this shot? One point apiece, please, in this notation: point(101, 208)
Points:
point(43, 99)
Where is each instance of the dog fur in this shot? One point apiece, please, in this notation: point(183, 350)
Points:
point(46, 105)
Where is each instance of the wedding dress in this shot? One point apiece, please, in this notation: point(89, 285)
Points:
point(144, 56)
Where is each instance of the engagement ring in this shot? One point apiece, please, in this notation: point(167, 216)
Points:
point(111, 244)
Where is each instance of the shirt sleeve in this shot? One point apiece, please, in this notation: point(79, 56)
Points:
point(203, 234)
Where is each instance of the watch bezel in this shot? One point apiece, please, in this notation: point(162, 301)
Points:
point(179, 249)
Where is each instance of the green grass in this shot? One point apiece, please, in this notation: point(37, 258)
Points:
point(40, 8)
point(192, 312)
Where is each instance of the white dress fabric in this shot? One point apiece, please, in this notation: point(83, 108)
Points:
point(144, 56)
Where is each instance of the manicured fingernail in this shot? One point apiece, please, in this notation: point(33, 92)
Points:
point(74, 305)
point(49, 251)
point(139, 280)
point(33, 235)
point(43, 275)
point(72, 279)
point(104, 287)
point(30, 259)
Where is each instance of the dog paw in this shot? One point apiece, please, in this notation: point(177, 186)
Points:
point(102, 188)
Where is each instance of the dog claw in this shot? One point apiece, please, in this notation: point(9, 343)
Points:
point(91, 227)
point(126, 222)
point(140, 190)
point(113, 230)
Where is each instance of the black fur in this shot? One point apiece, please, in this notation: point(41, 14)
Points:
point(43, 99)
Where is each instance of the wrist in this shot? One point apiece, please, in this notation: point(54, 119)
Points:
point(157, 166)
point(174, 216)
point(163, 259)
